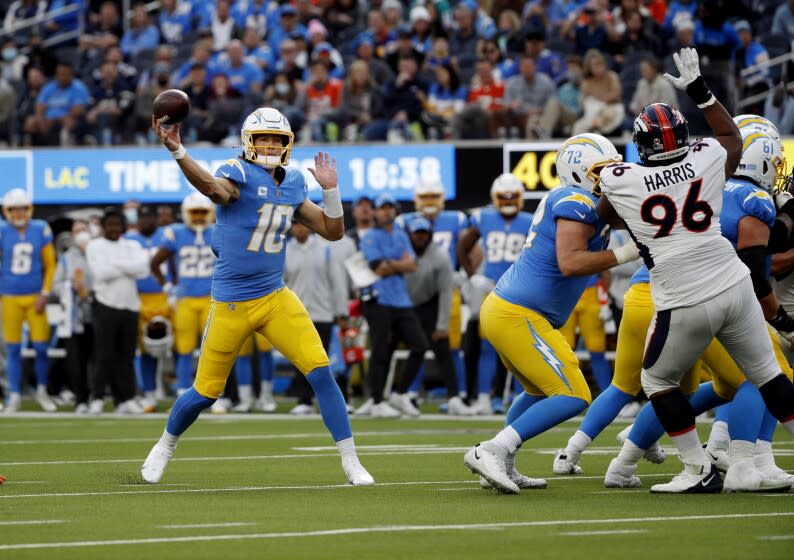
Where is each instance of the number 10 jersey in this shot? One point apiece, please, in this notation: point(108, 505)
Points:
point(672, 212)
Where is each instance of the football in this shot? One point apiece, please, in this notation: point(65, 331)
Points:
point(171, 107)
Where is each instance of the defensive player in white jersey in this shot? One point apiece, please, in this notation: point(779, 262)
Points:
point(671, 203)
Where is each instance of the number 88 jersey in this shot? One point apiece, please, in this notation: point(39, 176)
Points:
point(193, 258)
point(672, 212)
point(22, 270)
point(502, 238)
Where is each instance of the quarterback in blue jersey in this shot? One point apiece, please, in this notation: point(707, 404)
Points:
point(534, 298)
point(503, 231)
point(26, 274)
point(257, 197)
point(190, 246)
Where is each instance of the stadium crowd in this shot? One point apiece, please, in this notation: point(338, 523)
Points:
point(377, 69)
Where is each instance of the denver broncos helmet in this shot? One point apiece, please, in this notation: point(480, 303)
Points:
point(660, 133)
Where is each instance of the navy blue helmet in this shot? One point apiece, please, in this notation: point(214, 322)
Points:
point(660, 133)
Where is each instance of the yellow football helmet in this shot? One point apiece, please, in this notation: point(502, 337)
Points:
point(198, 211)
point(429, 198)
point(266, 121)
point(507, 194)
point(581, 158)
point(17, 199)
point(748, 124)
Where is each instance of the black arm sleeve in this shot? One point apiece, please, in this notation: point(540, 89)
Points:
point(755, 259)
point(778, 238)
point(782, 322)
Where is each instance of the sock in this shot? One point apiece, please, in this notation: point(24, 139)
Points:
point(147, 365)
point(578, 443)
point(347, 450)
point(246, 393)
point(184, 370)
point(604, 410)
point(508, 439)
point(266, 367)
point(244, 370)
point(546, 414)
point(460, 371)
point(168, 440)
point(266, 388)
point(185, 411)
point(41, 364)
point(416, 386)
point(746, 413)
point(630, 454)
point(762, 447)
point(331, 403)
point(520, 405)
point(14, 367)
point(740, 450)
point(689, 449)
point(767, 431)
point(486, 368)
point(601, 370)
point(719, 437)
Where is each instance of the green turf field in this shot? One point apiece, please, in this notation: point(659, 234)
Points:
point(272, 487)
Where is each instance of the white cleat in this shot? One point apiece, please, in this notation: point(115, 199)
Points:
point(483, 406)
point(81, 408)
point(45, 401)
point(488, 461)
point(718, 457)
point(384, 410)
point(14, 402)
point(365, 409)
point(243, 406)
point(129, 407)
point(266, 402)
point(356, 474)
point(654, 454)
point(403, 404)
point(694, 479)
point(522, 481)
point(562, 465)
point(743, 476)
point(621, 475)
point(221, 406)
point(456, 407)
point(96, 407)
point(765, 462)
point(303, 410)
point(155, 463)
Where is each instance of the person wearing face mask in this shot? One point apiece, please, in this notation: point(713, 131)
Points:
point(12, 62)
point(74, 284)
point(130, 210)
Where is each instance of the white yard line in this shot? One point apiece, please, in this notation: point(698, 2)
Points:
point(382, 529)
point(776, 538)
point(32, 522)
point(206, 525)
point(599, 533)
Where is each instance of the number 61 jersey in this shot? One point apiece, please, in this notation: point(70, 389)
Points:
point(672, 212)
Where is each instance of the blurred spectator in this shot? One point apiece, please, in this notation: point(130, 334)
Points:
point(111, 103)
point(202, 52)
point(65, 22)
point(165, 215)
point(587, 28)
point(288, 24)
point(392, 11)
point(485, 96)
point(130, 209)
point(684, 37)
point(40, 56)
point(73, 284)
point(445, 98)
point(403, 46)
point(225, 108)
point(144, 99)
point(421, 29)
point(142, 33)
point(26, 104)
point(524, 99)
point(20, 10)
point(402, 106)
point(503, 68)
point(163, 63)
point(652, 88)
point(548, 62)
point(285, 95)
point(323, 96)
point(377, 31)
point(678, 11)
point(622, 12)
point(175, 22)
point(751, 53)
point(244, 76)
point(102, 34)
point(509, 36)
point(544, 14)
point(783, 21)
point(715, 37)
point(195, 86)
point(326, 51)
point(562, 110)
point(361, 99)
point(59, 110)
point(379, 70)
point(463, 40)
point(221, 25)
point(637, 37)
point(8, 105)
point(258, 52)
point(115, 263)
point(127, 71)
point(254, 14)
point(12, 62)
point(343, 15)
point(307, 10)
point(602, 107)
point(287, 60)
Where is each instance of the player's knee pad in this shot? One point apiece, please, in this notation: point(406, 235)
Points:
point(673, 410)
point(779, 397)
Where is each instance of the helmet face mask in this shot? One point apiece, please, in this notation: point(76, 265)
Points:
point(266, 122)
point(507, 194)
point(198, 211)
point(429, 198)
point(17, 208)
point(661, 133)
point(581, 158)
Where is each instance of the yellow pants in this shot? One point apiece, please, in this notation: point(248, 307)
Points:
point(190, 317)
point(455, 321)
point(21, 309)
point(280, 317)
point(586, 316)
point(152, 305)
point(532, 350)
point(262, 345)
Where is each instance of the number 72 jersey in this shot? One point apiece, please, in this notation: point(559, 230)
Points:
point(22, 268)
point(193, 258)
point(672, 212)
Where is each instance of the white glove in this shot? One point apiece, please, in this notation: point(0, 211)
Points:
point(170, 289)
point(688, 66)
point(782, 198)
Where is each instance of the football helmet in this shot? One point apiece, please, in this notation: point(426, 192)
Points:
point(660, 133)
point(266, 121)
point(507, 194)
point(762, 162)
point(158, 337)
point(747, 124)
point(198, 211)
point(17, 198)
point(581, 158)
point(429, 198)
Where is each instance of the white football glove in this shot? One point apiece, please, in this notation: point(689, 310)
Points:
point(782, 198)
point(688, 66)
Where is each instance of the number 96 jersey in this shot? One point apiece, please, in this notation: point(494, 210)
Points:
point(672, 212)
point(22, 270)
point(193, 258)
point(502, 239)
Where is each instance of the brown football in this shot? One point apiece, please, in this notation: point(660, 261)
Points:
point(171, 106)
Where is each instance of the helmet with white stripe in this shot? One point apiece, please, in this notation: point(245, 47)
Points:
point(270, 122)
point(762, 161)
point(581, 158)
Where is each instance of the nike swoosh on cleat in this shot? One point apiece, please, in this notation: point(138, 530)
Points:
point(706, 482)
point(476, 456)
